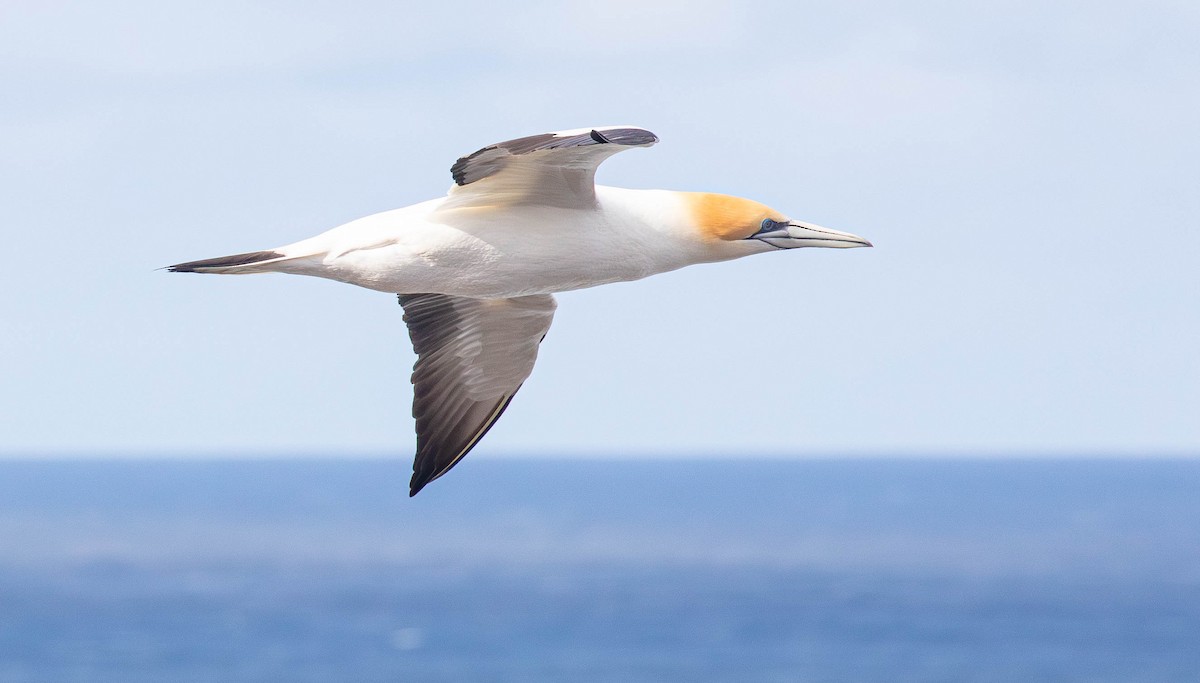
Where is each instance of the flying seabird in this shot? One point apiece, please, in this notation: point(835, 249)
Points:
point(476, 270)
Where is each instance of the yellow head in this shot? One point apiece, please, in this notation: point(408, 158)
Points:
point(722, 219)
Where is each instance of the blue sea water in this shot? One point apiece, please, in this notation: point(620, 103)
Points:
point(517, 570)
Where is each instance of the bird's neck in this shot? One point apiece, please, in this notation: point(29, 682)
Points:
point(670, 220)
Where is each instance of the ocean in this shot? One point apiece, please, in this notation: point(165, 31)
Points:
point(600, 570)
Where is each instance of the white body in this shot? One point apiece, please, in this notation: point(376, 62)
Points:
point(500, 252)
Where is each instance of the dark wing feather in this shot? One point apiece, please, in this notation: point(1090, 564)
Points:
point(472, 357)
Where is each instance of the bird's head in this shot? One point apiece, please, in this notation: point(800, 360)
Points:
point(733, 227)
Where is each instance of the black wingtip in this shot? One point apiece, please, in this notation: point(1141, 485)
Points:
point(419, 479)
point(415, 486)
point(224, 262)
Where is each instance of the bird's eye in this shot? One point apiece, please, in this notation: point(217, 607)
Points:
point(766, 225)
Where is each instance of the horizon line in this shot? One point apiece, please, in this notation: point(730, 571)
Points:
point(774, 456)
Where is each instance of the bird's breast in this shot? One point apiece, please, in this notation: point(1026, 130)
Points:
point(514, 252)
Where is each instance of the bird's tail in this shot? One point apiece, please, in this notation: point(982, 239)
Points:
point(253, 262)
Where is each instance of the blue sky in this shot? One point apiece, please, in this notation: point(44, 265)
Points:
point(1028, 174)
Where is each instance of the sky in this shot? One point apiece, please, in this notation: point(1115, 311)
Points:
point(1027, 171)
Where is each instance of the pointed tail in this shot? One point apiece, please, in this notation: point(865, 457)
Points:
point(238, 263)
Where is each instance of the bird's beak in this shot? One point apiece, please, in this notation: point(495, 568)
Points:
point(795, 234)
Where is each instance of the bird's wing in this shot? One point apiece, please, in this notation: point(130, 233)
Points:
point(553, 169)
point(472, 357)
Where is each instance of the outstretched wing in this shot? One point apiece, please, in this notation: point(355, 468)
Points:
point(472, 357)
point(554, 169)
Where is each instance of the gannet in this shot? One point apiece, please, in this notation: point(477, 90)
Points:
point(476, 270)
